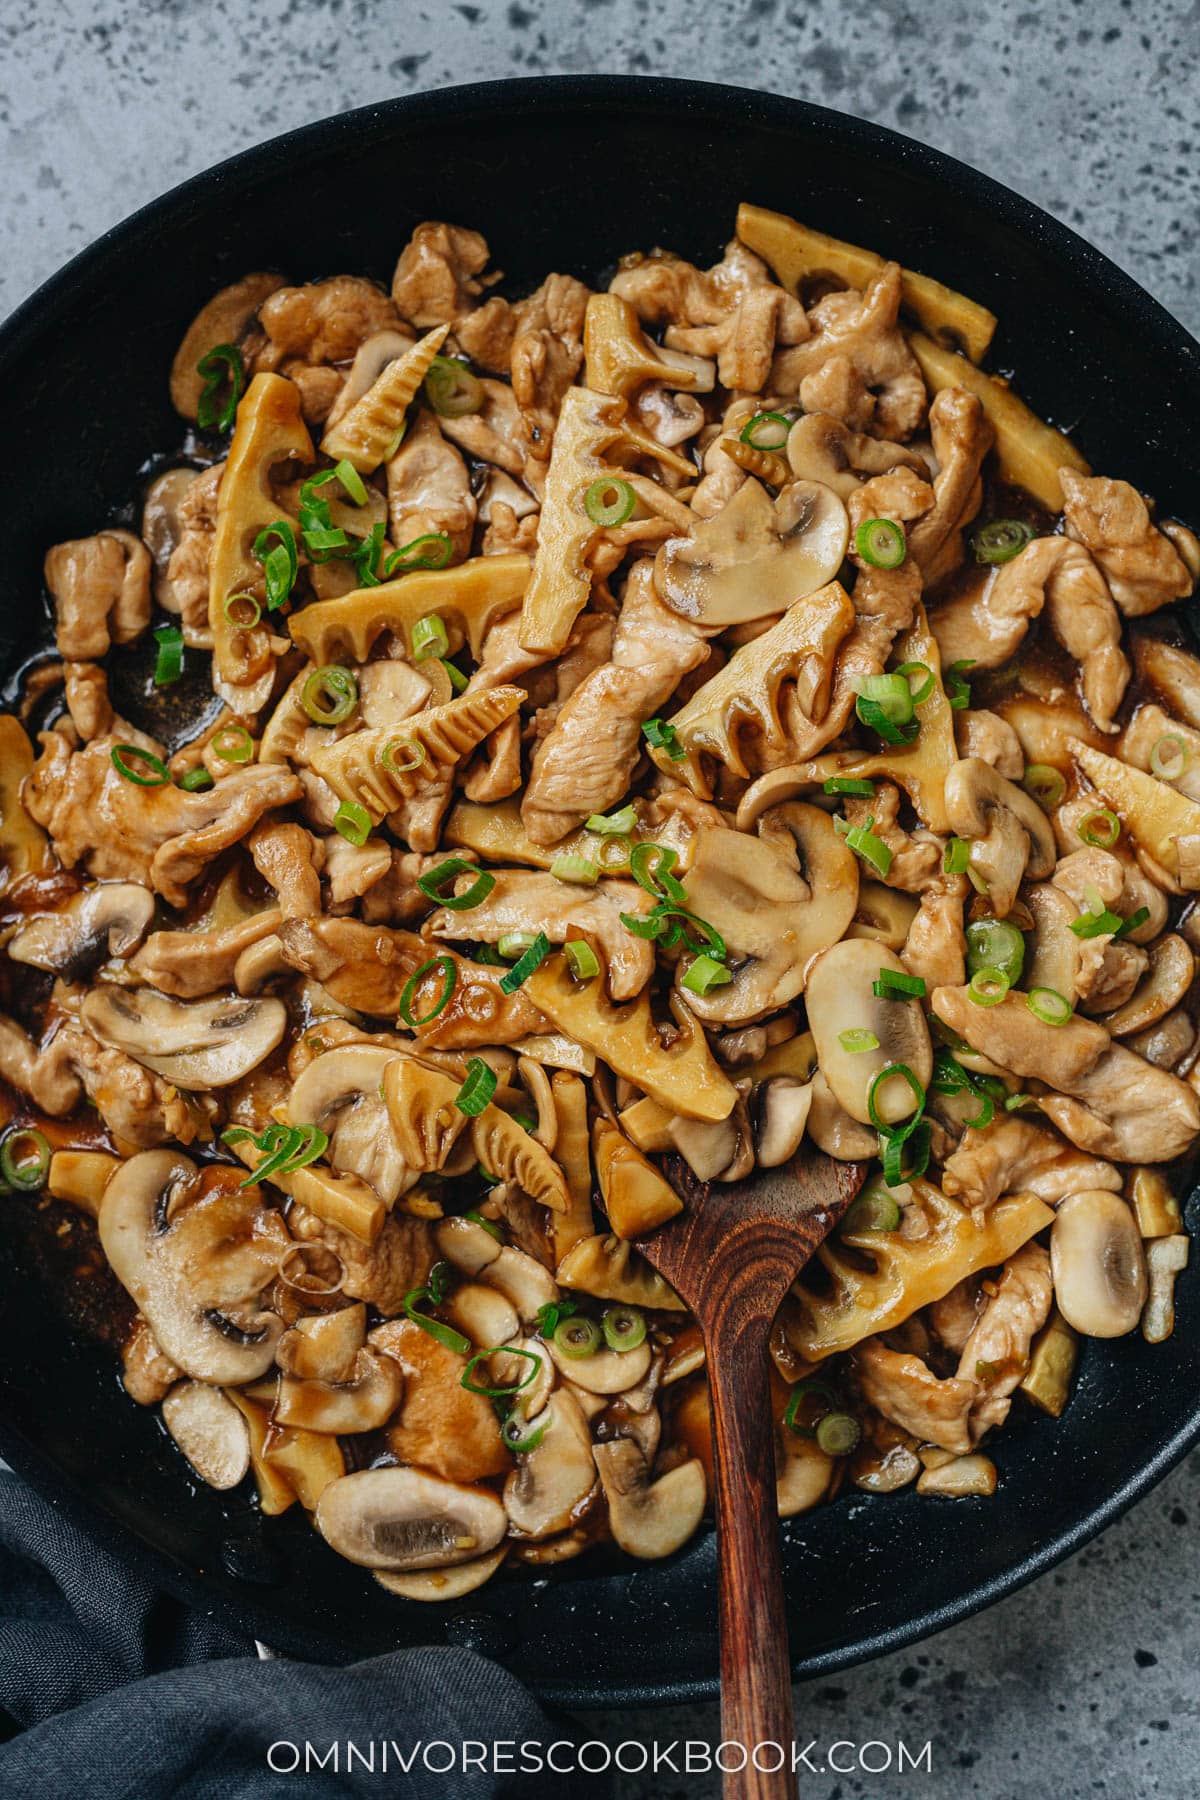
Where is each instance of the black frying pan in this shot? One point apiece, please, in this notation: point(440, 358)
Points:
point(568, 174)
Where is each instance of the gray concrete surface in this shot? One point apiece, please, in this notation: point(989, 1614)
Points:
point(1084, 1684)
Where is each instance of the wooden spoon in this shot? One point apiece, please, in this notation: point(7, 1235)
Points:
point(731, 1256)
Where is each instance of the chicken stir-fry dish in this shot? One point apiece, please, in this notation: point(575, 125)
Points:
point(518, 752)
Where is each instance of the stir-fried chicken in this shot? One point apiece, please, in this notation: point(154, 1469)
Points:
point(504, 868)
point(1110, 518)
point(996, 1354)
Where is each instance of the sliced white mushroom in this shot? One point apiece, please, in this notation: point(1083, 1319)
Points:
point(210, 1431)
point(198, 1044)
point(959, 1478)
point(444, 1584)
point(339, 1092)
point(1010, 834)
point(833, 1130)
point(556, 1476)
point(522, 1280)
point(605, 1371)
point(756, 556)
point(467, 1244)
point(483, 1313)
point(109, 919)
point(1165, 984)
point(859, 1035)
point(649, 1518)
point(402, 1519)
point(883, 913)
point(188, 1261)
point(1166, 1257)
point(785, 1104)
point(803, 1473)
point(363, 1402)
point(1098, 1264)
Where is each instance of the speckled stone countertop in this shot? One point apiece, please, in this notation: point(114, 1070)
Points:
point(1084, 1684)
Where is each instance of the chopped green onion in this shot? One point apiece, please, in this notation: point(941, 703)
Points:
point(520, 1438)
point(512, 944)
point(313, 1144)
point(864, 843)
point(1000, 540)
point(651, 866)
point(1101, 828)
point(766, 431)
point(923, 690)
point(858, 1040)
point(916, 1141)
point(1044, 784)
point(280, 561)
point(838, 1434)
point(661, 736)
point(477, 1090)
point(624, 1327)
point(874, 1210)
point(957, 691)
point(169, 666)
point(918, 1093)
point(609, 501)
point(881, 543)
point(501, 1393)
point(433, 884)
point(1134, 922)
point(581, 960)
point(957, 856)
point(352, 481)
point(1169, 757)
point(330, 695)
point(121, 755)
point(233, 744)
point(451, 389)
point(996, 944)
point(546, 1318)
point(1097, 924)
point(892, 984)
point(450, 974)
point(577, 1337)
point(657, 925)
point(803, 1391)
point(987, 987)
point(850, 784)
point(612, 824)
point(442, 1334)
point(218, 366)
point(705, 973)
point(25, 1158)
point(1048, 1005)
point(458, 681)
point(891, 694)
point(871, 713)
point(196, 779)
point(400, 756)
point(525, 1120)
point(365, 556)
point(243, 610)
point(429, 638)
point(613, 855)
point(432, 550)
point(572, 867)
point(488, 1225)
point(278, 1143)
point(521, 970)
point(353, 822)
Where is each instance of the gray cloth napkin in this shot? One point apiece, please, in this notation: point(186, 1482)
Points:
point(118, 1692)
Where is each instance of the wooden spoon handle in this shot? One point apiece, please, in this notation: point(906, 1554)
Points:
point(756, 1684)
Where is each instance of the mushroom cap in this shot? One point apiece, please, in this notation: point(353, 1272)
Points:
point(606, 1371)
point(841, 998)
point(198, 1044)
point(443, 1584)
point(339, 1091)
point(1098, 1263)
point(556, 1476)
point(210, 1431)
point(785, 1104)
point(216, 1251)
point(1011, 835)
point(221, 320)
point(109, 919)
point(756, 556)
point(403, 1519)
point(649, 1519)
point(365, 1402)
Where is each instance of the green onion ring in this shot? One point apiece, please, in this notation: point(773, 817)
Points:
point(159, 776)
point(242, 601)
point(1049, 1005)
point(15, 1164)
point(881, 543)
point(450, 972)
point(330, 695)
point(526, 963)
point(434, 880)
point(501, 1393)
point(609, 501)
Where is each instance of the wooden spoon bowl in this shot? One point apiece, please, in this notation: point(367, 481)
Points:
point(731, 1256)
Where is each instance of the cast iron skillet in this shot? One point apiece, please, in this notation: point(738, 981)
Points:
point(568, 174)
